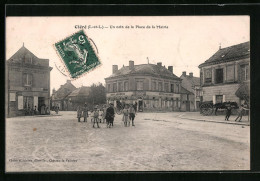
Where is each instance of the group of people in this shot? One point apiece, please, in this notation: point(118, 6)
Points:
point(129, 113)
point(43, 110)
point(106, 114)
point(241, 110)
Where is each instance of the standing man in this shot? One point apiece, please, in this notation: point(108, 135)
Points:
point(79, 112)
point(228, 111)
point(85, 112)
point(110, 114)
point(135, 106)
point(132, 114)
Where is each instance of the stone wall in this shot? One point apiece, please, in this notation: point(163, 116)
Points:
point(228, 90)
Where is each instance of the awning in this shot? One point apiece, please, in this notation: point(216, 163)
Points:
point(243, 91)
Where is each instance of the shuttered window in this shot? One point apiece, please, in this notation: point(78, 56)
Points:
point(230, 73)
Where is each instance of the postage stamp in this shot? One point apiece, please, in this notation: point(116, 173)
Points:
point(77, 54)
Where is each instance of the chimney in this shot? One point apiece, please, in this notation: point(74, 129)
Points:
point(170, 68)
point(184, 73)
point(131, 65)
point(159, 63)
point(53, 90)
point(68, 81)
point(115, 68)
point(191, 74)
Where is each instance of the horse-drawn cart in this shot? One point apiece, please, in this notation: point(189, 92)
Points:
point(207, 108)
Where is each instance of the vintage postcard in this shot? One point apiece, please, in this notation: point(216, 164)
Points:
point(127, 93)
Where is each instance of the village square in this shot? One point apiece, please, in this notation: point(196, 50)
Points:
point(144, 117)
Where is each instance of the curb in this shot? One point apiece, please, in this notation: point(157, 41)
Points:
point(236, 123)
point(47, 115)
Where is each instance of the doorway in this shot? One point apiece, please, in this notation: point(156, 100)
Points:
point(140, 105)
point(41, 101)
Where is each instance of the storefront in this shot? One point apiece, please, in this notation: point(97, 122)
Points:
point(146, 100)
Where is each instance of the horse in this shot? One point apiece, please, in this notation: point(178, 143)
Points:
point(224, 106)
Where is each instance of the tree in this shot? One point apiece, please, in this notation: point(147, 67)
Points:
point(97, 94)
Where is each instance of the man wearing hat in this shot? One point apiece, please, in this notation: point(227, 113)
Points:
point(96, 114)
point(110, 114)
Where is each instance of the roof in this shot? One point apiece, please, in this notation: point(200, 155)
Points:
point(150, 69)
point(228, 54)
point(185, 91)
point(195, 81)
point(23, 53)
point(64, 91)
point(82, 91)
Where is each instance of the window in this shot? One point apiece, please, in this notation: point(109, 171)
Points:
point(219, 76)
point(244, 73)
point(27, 79)
point(172, 87)
point(108, 87)
point(120, 86)
point(153, 85)
point(126, 86)
point(208, 76)
point(219, 98)
point(230, 73)
point(160, 86)
point(114, 87)
point(177, 88)
point(166, 87)
point(139, 85)
point(12, 96)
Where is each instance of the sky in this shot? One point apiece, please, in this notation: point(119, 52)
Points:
point(184, 42)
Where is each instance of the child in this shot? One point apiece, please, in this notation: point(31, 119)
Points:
point(96, 114)
point(79, 113)
point(125, 116)
point(104, 113)
point(101, 115)
point(85, 112)
point(132, 114)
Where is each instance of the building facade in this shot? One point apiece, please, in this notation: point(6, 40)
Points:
point(152, 87)
point(28, 83)
point(78, 97)
point(223, 73)
point(187, 100)
point(192, 84)
point(59, 98)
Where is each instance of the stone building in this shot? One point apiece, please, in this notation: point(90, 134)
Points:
point(192, 84)
point(187, 100)
point(78, 97)
point(152, 87)
point(60, 97)
point(223, 73)
point(27, 82)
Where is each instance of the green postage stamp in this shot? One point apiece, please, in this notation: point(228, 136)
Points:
point(77, 54)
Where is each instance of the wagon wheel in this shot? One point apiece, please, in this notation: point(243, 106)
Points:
point(206, 109)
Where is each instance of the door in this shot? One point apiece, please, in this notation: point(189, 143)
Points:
point(40, 102)
point(140, 105)
point(187, 105)
point(197, 105)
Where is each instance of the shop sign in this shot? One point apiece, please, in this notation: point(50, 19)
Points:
point(119, 94)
